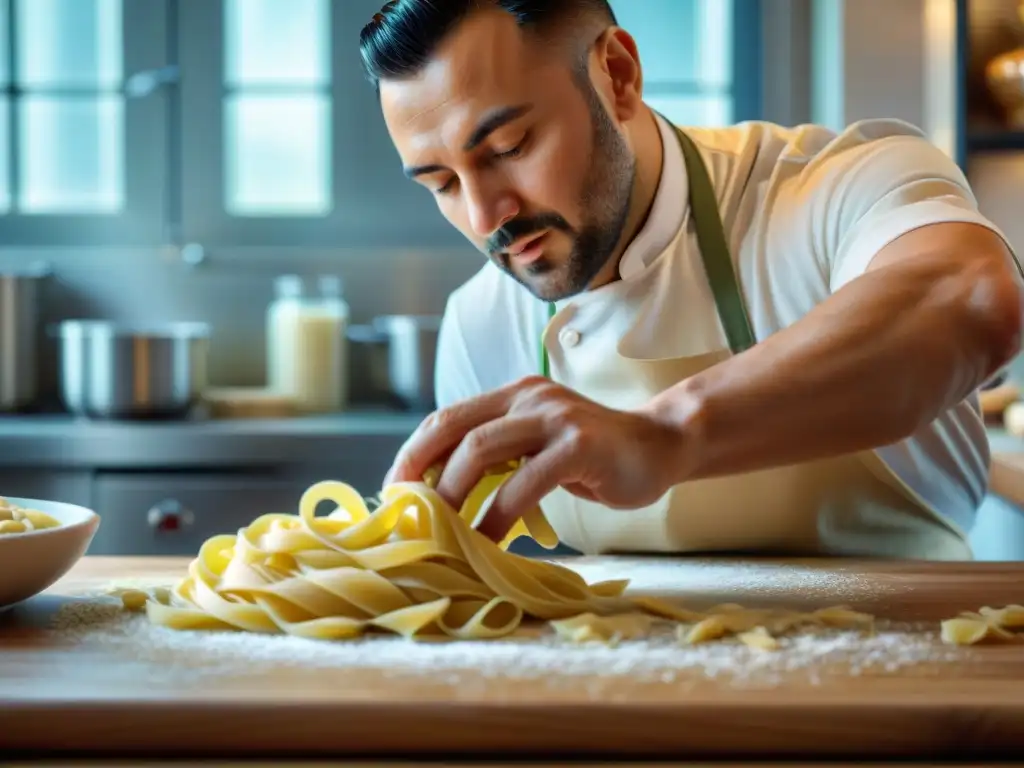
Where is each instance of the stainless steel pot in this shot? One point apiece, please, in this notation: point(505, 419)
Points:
point(403, 351)
point(19, 337)
point(109, 372)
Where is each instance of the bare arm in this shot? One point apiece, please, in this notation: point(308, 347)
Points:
point(936, 313)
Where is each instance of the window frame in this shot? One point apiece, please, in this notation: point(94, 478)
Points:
point(143, 219)
point(360, 175)
point(748, 52)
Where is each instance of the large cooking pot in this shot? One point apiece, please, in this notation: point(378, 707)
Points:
point(19, 337)
point(402, 352)
point(111, 372)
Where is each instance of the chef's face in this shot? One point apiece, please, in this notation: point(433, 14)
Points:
point(519, 151)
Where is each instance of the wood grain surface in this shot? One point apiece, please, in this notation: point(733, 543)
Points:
point(55, 697)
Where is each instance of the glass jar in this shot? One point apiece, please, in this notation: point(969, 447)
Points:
point(307, 346)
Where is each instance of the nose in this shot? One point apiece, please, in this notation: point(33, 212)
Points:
point(489, 208)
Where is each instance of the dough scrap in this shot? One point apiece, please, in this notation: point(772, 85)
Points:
point(610, 630)
point(999, 625)
point(759, 639)
point(759, 628)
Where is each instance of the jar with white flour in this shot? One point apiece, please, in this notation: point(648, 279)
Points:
point(307, 353)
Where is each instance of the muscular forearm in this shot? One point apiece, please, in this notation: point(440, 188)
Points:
point(869, 366)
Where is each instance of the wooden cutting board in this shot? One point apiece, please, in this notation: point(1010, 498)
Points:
point(899, 697)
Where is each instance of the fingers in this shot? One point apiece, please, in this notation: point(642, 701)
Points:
point(524, 490)
point(441, 432)
point(493, 443)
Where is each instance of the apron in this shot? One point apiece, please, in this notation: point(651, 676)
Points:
point(852, 505)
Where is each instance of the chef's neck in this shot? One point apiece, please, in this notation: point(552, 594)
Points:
point(649, 151)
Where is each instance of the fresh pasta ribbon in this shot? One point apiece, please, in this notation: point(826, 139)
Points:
point(412, 566)
point(532, 524)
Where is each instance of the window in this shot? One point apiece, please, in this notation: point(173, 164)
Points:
point(691, 51)
point(282, 142)
point(247, 123)
point(64, 119)
point(277, 116)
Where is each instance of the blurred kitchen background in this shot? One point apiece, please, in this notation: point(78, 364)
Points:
point(217, 287)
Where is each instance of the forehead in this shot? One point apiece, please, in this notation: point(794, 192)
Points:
point(487, 62)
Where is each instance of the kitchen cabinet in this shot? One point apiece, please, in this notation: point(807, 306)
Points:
point(174, 512)
point(169, 513)
point(72, 487)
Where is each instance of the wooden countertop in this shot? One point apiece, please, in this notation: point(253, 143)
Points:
point(967, 703)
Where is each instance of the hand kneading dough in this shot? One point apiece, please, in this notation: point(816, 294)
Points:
point(989, 624)
point(416, 567)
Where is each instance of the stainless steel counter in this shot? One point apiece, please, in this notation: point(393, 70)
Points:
point(66, 442)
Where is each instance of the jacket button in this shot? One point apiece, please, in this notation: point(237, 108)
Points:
point(570, 337)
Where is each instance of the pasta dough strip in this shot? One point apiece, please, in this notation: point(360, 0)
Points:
point(412, 566)
point(999, 625)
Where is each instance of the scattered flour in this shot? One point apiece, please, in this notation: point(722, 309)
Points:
point(768, 580)
point(99, 623)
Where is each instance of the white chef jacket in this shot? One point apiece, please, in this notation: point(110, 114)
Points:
point(805, 209)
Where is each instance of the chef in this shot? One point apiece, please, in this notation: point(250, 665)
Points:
point(753, 338)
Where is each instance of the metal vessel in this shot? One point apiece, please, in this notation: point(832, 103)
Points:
point(111, 372)
point(19, 337)
point(403, 351)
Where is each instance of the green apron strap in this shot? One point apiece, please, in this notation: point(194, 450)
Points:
point(714, 250)
point(545, 363)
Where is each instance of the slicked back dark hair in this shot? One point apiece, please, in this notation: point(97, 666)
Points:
point(401, 38)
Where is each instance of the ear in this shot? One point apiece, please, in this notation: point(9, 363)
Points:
point(619, 67)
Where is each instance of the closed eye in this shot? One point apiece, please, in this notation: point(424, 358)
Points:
point(508, 154)
point(446, 188)
point(514, 152)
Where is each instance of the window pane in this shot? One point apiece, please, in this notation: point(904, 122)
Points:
point(69, 42)
point(276, 41)
point(72, 154)
point(698, 111)
point(681, 39)
point(5, 191)
point(278, 155)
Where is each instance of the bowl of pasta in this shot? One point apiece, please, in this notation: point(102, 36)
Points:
point(39, 542)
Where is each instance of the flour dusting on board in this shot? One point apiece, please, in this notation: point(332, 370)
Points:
point(753, 579)
point(99, 623)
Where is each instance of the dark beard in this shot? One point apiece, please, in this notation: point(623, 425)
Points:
point(604, 200)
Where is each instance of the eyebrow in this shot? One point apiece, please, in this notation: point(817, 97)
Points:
point(484, 128)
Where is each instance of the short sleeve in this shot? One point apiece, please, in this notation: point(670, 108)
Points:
point(454, 376)
point(870, 194)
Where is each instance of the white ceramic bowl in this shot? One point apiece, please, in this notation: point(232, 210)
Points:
point(33, 561)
